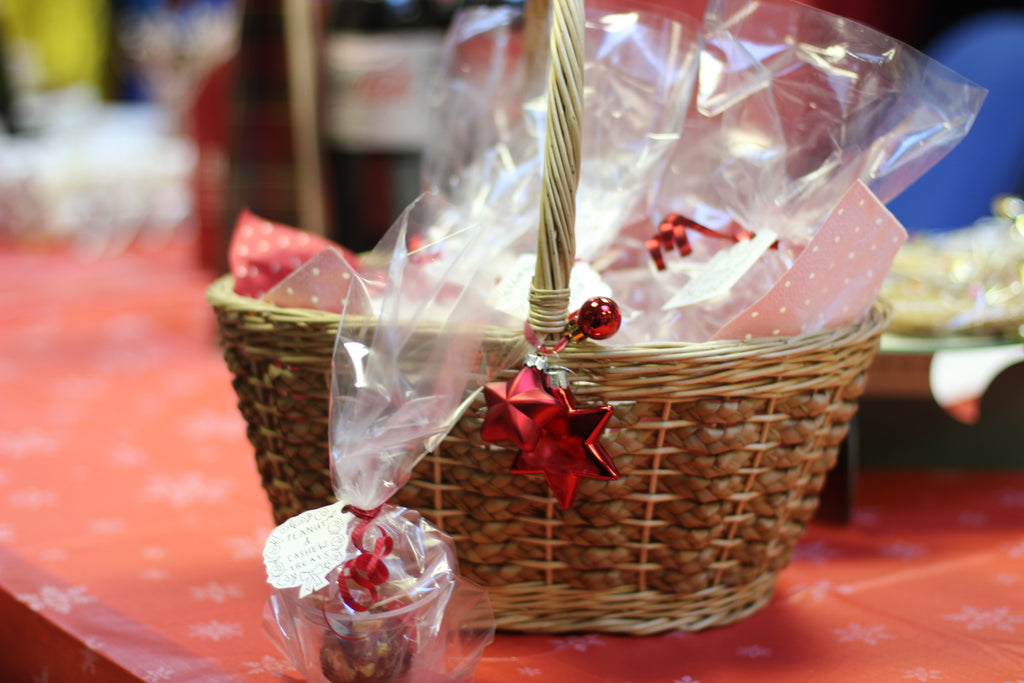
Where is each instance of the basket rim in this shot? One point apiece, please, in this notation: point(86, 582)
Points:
point(222, 297)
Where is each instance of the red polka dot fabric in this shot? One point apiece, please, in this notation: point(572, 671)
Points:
point(263, 253)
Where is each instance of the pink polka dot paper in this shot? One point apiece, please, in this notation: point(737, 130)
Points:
point(327, 283)
point(835, 279)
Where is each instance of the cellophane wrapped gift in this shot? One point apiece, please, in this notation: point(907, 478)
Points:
point(760, 121)
point(364, 590)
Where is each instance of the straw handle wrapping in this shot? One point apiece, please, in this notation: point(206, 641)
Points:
point(556, 242)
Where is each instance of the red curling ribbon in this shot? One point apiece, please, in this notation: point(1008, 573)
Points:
point(654, 247)
point(367, 570)
point(672, 233)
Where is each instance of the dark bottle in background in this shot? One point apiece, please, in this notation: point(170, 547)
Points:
point(380, 58)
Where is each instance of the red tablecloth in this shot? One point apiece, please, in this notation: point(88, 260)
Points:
point(132, 523)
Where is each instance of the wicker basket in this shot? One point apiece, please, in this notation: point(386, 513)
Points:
point(722, 448)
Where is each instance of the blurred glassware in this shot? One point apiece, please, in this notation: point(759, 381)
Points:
point(175, 45)
point(96, 177)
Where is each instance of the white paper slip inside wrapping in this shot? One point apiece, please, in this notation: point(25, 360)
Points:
point(302, 551)
point(512, 294)
point(723, 271)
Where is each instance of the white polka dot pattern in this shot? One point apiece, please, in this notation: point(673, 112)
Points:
point(326, 282)
point(263, 253)
point(848, 258)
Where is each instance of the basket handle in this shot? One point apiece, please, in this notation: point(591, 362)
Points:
point(556, 240)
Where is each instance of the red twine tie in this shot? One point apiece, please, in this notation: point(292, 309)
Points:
point(533, 340)
point(367, 569)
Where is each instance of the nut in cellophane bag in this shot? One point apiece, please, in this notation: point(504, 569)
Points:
point(365, 590)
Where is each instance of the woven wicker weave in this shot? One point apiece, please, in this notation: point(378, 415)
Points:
point(722, 448)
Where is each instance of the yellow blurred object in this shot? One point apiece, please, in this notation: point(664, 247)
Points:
point(68, 38)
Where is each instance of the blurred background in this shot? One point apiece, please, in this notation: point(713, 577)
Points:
point(128, 121)
point(129, 124)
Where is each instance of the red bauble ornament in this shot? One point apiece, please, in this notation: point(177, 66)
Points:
point(562, 444)
point(598, 318)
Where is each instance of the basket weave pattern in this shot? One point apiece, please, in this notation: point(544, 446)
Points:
point(280, 360)
point(722, 450)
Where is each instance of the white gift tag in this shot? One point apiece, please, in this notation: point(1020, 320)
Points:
point(723, 271)
point(302, 551)
point(512, 294)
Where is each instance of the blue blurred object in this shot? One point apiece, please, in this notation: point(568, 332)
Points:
point(987, 48)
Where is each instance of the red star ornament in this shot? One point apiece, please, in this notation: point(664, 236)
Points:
point(569, 449)
point(519, 408)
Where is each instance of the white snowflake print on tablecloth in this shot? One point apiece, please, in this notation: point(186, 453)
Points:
point(268, 665)
point(161, 673)
point(577, 643)
point(680, 635)
point(977, 619)
point(869, 635)
point(1006, 579)
point(126, 328)
point(185, 490)
point(89, 659)
point(922, 674)
point(817, 591)
point(215, 630)
point(107, 526)
point(1013, 499)
point(530, 671)
point(9, 371)
point(27, 443)
point(33, 498)
point(686, 679)
point(126, 456)
point(155, 575)
point(90, 654)
point(247, 547)
point(135, 359)
point(754, 651)
point(208, 424)
point(79, 387)
point(814, 552)
point(901, 550)
point(54, 599)
point(971, 520)
point(869, 517)
point(215, 592)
